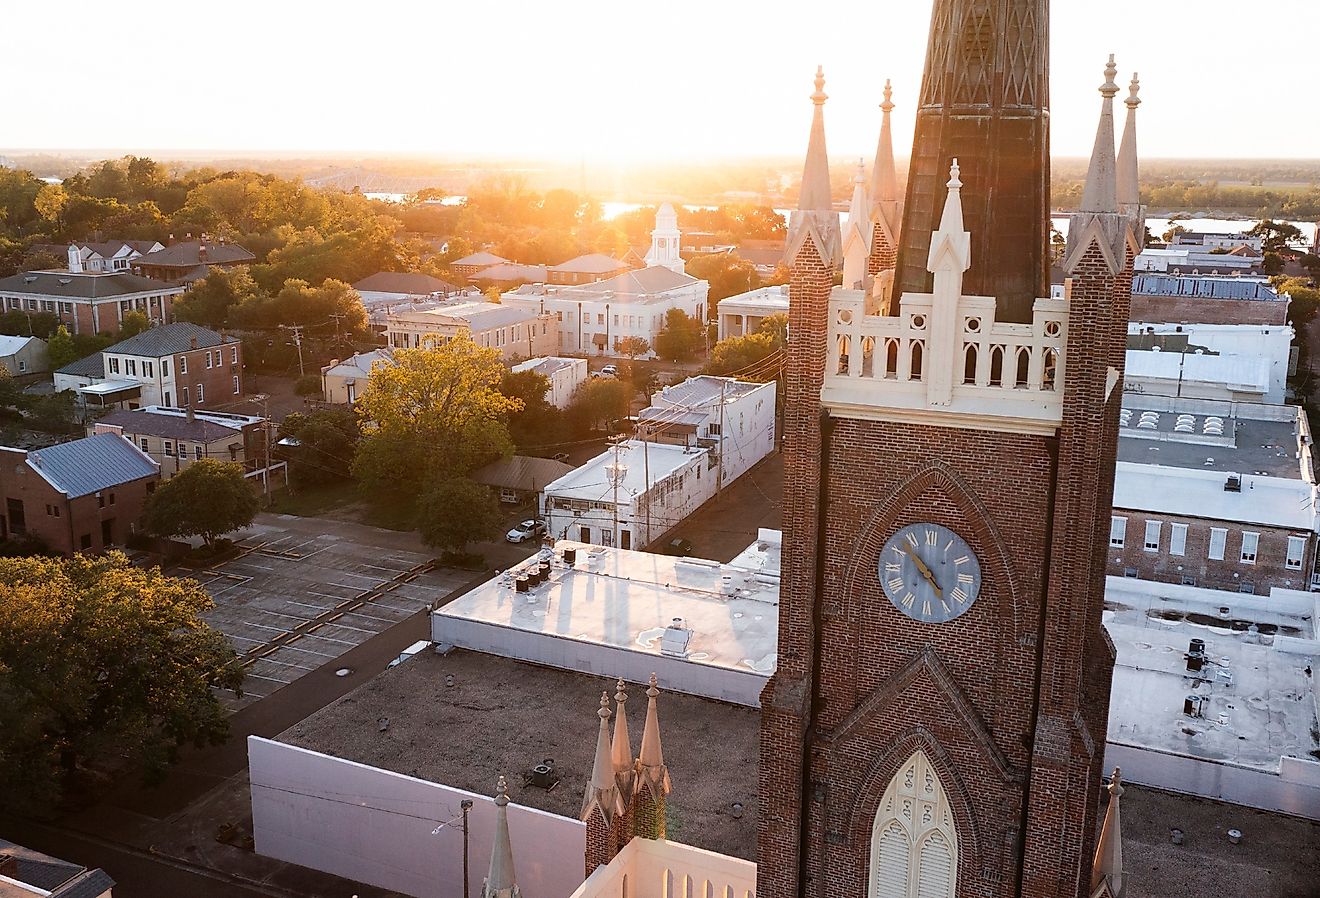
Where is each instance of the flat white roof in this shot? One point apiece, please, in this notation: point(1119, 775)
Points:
point(625, 599)
point(1258, 701)
point(763, 300)
point(595, 480)
point(1187, 492)
point(1241, 372)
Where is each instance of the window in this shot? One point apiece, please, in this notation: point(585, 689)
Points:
point(1296, 551)
point(1177, 539)
point(132, 367)
point(197, 452)
point(114, 365)
point(600, 317)
point(1130, 573)
point(713, 429)
point(22, 366)
point(559, 316)
point(233, 355)
point(586, 317)
point(100, 501)
point(183, 364)
point(1250, 543)
point(17, 515)
point(235, 384)
point(1188, 580)
point(1153, 536)
point(146, 369)
point(208, 359)
point(1117, 532)
point(112, 498)
point(169, 448)
point(165, 368)
point(1218, 539)
point(914, 854)
point(145, 445)
point(183, 396)
point(1247, 587)
point(200, 397)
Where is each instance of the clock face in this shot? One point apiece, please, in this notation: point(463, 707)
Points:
point(930, 573)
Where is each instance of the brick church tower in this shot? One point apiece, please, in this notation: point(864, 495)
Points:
point(937, 721)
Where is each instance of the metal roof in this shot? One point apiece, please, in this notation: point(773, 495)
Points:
point(10, 345)
point(168, 339)
point(1205, 287)
point(188, 254)
point(85, 466)
point(407, 283)
point(89, 366)
point(591, 263)
point(82, 285)
point(521, 472)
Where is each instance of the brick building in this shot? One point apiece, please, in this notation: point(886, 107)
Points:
point(181, 365)
point(937, 719)
point(585, 270)
point(191, 260)
point(89, 301)
point(80, 496)
point(174, 438)
point(1188, 299)
point(1214, 494)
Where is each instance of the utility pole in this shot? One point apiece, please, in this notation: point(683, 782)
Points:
point(614, 476)
point(264, 399)
point(719, 459)
point(297, 341)
point(336, 318)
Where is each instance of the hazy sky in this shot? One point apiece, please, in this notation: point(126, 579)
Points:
point(614, 80)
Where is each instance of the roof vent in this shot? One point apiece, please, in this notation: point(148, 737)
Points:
point(1233, 484)
point(543, 775)
point(675, 639)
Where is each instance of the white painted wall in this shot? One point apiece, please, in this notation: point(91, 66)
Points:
point(374, 826)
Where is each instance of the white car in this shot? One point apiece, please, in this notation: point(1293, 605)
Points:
point(609, 371)
point(525, 531)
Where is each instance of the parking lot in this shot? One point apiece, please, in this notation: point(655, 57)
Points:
point(304, 591)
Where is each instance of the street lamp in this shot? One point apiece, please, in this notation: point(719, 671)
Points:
point(465, 805)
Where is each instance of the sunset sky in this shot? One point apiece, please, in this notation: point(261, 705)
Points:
point(615, 81)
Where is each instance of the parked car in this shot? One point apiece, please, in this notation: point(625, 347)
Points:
point(560, 457)
point(525, 531)
point(609, 371)
point(677, 546)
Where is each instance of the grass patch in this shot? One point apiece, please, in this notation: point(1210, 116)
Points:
point(310, 502)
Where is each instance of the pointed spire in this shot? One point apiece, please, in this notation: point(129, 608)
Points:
point(500, 880)
point(1101, 192)
point(951, 241)
point(884, 176)
point(624, 765)
point(602, 790)
point(857, 239)
point(951, 222)
point(1129, 177)
point(652, 759)
point(1108, 866)
point(815, 194)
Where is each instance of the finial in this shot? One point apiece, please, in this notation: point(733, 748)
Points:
point(604, 712)
point(955, 183)
point(619, 694)
point(502, 792)
point(888, 104)
point(1116, 789)
point(652, 691)
point(860, 177)
point(819, 96)
point(1110, 88)
point(1133, 100)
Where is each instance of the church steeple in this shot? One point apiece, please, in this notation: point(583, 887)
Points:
point(884, 176)
point(815, 217)
point(500, 880)
point(623, 762)
point(1129, 176)
point(985, 99)
point(857, 237)
point(603, 807)
point(653, 784)
point(1098, 220)
point(665, 241)
point(1107, 871)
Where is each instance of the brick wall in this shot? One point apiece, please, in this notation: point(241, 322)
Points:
point(1199, 310)
point(217, 381)
point(1196, 568)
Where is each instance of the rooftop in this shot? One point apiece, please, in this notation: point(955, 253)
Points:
point(1259, 694)
point(475, 313)
point(704, 389)
point(638, 285)
point(1237, 372)
point(406, 283)
point(173, 423)
point(81, 467)
point(82, 285)
point(480, 258)
point(503, 716)
point(511, 271)
point(168, 339)
point(773, 299)
point(1204, 287)
point(358, 364)
point(546, 366)
point(10, 344)
point(191, 253)
point(1214, 436)
point(32, 873)
point(521, 472)
point(591, 263)
point(1189, 493)
point(595, 480)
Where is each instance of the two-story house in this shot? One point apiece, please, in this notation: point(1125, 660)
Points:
point(518, 332)
point(175, 438)
point(175, 365)
point(191, 260)
point(734, 419)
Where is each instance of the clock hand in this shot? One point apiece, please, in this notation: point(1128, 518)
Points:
point(925, 572)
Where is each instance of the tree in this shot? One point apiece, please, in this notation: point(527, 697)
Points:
point(207, 499)
point(596, 403)
point(436, 413)
point(50, 202)
point(633, 346)
point(538, 423)
point(743, 356)
point(210, 300)
point(28, 324)
point(455, 511)
point(727, 274)
point(327, 440)
point(100, 659)
point(133, 323)
point(299, 303)
point(60, 350)
point(680, 338)
point(1173, 232)
point(1278, 235)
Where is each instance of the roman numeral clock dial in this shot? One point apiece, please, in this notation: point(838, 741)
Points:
point(930, 573)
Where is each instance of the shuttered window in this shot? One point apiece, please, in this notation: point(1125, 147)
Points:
point(1117, 532)
point(914, 845)
point(1177, 539)
point(1296, 552)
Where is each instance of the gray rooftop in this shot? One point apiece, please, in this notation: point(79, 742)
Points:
point(173, 427)
point(591, 263)
point(88, 366)
point(409, 283)
point(1247, 445)
point(81, 285)
point(60, 879)
point(645, 281)
point(1203, 287)
point(521, 472)
point(706, 390)
point(85, 466)
point(168, 339)
point(189, 254)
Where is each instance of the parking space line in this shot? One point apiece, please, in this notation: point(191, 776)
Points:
point(267, 679)
point(286, 663)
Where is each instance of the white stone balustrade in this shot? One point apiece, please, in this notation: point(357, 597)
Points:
point(946, 360)
point(649, 868)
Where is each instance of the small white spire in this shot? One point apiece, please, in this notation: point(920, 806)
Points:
point(952, 219)
point(602, 790)
point(1101, 191)
point(500, 880)
point(1108, 864)
point(857, 239)
point(815, 193)
point(623, 761)
point(651, 761)
point(884, 175)
point(1129, 174)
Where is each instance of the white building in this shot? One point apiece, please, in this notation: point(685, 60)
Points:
point(629, 495)
point(23, 355)
point(1243, 362)
point(343, 382)
point(386, 290)
point(734, 419)
point(743, 314)
point(564, 375)
point(518, 332)
point(1192, 260)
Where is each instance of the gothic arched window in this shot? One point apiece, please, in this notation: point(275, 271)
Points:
point(914, 846)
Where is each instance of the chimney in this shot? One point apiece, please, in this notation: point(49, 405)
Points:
point(190, 416)
point(201, 253)
point(193, 341)
point(75, 260)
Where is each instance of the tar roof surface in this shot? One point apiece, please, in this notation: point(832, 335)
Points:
point(1247, 446)
point(503, 717)
point(189, 254)
point(176, 427)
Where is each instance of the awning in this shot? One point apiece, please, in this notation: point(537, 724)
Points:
point(599, 339)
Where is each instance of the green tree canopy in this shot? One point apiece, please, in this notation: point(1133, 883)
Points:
point(133, 323)
point(538, 423)
point(727, 273)
point(633, 346)
point(596, 403)
point(436, 413)
point(454, 511)
point(212, 298)
point(327, 441)
point(299, 303)
point(60, 349)
point(102, 662)
point(1278, 235)
point(680, 338)
point(209, 498)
